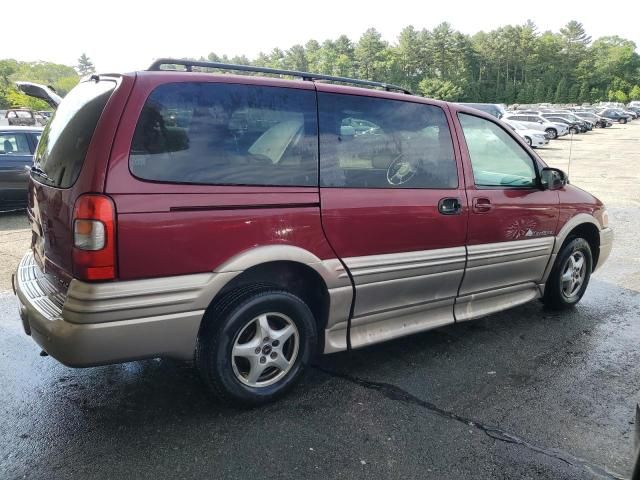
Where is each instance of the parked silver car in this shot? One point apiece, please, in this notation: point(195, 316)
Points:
point(537, 122)
point(534, 138)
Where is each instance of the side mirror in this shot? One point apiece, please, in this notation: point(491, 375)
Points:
point(552, 178)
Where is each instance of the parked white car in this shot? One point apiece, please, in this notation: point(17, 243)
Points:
point(534, 138)
point(537, 122)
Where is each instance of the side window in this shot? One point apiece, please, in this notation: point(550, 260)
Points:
point(226, 134)
point(14, 144)
point(368, 142)
point(496, 158)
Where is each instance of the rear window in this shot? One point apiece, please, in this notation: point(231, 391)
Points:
point(227, 134)
point(65, 139)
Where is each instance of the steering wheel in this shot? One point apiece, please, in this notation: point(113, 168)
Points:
point(399, 171)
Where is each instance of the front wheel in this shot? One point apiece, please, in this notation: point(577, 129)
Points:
point(528, 140)
point(570, 275)
point(574, 130)
point(552, 133)
point(255, 345)
point(622, 121)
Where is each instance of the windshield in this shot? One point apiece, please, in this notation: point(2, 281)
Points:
point(65, 140)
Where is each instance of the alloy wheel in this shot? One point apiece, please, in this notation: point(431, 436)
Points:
point(265, 350)
point(573, 274)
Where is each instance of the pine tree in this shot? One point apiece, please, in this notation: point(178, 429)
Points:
point(85, 65)
point(561, 91)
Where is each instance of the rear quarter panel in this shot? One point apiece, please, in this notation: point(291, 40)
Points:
point(169, 229)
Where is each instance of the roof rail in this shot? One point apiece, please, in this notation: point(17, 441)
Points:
point(189, 64)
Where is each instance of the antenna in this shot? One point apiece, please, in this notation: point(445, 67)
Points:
point(570, 151)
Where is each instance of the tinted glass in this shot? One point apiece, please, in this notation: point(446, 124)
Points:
point(370, 142)
point(65, 139)
point(496, 158)
point(223, 134)
point(14, 144)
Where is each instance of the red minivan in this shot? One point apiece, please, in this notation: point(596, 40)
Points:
point(249, 222)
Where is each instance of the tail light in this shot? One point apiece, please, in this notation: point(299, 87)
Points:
point(94, 235)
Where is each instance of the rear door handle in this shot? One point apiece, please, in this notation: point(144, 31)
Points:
point(450, 206)
point(481, 205)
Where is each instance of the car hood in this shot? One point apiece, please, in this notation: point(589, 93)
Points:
point(537, 133)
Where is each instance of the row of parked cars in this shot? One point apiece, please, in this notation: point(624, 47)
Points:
point(540, 123)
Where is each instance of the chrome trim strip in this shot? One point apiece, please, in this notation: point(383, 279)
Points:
point(400, 293)
point(494, 253)
point(485, 303)
point(395, 294)
point(497, 265)
point(133, 299)
point(405, 261)
point(381, 327)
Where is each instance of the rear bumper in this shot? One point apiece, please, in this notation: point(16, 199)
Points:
point(606, 243)
point(97, 324)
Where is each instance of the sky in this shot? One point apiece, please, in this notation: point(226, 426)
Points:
point(122, 36)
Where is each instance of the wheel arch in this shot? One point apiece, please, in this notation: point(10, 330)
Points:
point(288, 267)
point(585, 226)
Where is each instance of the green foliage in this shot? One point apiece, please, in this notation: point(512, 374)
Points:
point(14, 98)
point(440, 89)
point(61, 77)
point(618, 96)
point(514, 63)
point(561, 92)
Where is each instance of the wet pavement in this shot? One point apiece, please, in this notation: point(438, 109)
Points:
point(527, 393)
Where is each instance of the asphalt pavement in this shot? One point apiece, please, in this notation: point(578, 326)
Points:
point(526, 393)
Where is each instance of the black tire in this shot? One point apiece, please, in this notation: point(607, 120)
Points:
point(554, 294)
point(528, 140)
point(622, 121)
point(553, 133)
point(223, 324)
point(574, 130)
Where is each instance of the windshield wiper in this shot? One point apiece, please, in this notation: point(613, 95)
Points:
point(39, 172)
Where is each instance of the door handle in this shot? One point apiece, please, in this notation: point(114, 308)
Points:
point(450, 206)
point(481, 205)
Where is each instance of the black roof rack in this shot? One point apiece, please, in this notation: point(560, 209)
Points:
point(189, 64)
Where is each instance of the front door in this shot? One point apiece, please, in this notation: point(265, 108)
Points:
point(394, 210)
point(512, 221)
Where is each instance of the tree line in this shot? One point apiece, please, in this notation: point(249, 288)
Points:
point(512, 64)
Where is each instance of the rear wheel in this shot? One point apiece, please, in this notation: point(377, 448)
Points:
point(552, 132)
point(255, 345)
point(570, 275)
